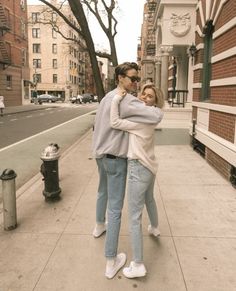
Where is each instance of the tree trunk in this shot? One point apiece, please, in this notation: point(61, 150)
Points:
point(113, 51)
point(78, 12)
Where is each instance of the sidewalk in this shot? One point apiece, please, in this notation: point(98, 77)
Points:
point(53, 249)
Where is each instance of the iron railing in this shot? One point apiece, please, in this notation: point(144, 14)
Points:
point(177, 97)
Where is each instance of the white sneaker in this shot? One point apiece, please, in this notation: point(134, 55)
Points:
point(114, 265)
point(135, 270)
point(99, 229)
point(154, 231)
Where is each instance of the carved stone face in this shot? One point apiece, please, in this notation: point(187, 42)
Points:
point(180, 24)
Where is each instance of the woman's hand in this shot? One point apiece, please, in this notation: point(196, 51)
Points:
point(121, 93)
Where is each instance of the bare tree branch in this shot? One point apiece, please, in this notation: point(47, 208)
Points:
point(110, 16)
point(104, 55)
point(63, 16)
point(108, 27)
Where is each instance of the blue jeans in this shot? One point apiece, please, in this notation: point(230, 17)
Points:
point(140, 192)
point(101, 205)
point(112, 189)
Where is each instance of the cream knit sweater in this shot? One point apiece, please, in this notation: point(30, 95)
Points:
point(141, 137)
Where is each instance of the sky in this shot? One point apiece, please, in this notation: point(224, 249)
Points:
point(129, 29)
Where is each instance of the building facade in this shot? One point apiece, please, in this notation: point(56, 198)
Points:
point(195, 53)
point(214, 85)
point(147, 46)
point(167, 34)
point(57, 63)
point(14, 68)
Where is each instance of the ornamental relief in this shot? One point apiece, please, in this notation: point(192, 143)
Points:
point(149, 69)
point(180, 24)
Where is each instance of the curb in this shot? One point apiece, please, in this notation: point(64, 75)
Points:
point(38, 177)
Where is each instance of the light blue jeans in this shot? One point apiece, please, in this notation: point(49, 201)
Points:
point(101, 205)
point(140, 192)
point(112, 175)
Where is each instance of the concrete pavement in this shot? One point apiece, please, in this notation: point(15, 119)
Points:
point(53, 249)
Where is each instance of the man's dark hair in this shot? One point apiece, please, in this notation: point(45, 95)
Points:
point(123, 68)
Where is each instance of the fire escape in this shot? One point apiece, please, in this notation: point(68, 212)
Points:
point(150, 44)
point(5, 49)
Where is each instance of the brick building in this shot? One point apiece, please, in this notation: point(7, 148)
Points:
point(195, 52)
point(214, 85)
point(14, 70)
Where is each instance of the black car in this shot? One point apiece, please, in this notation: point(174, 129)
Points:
point(87, 98)
point(47, 98)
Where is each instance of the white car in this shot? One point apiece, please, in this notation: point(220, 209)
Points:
point(76, 99)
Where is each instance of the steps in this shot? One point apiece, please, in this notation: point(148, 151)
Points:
point(176, 117)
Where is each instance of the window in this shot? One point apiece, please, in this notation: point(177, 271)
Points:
point(54, 78)
point(37, 63)
point(37, 78)
point(7, 16)
point(9, 81)
point(54, 63)
point(7, 56)
point(54, 48)
point(23, 29)
point(35, 17)
point(36, 48)
point(54, 17)
point(206, 77)
point(22, 4)
point(36, 32)
point(24, 56)
point(54, 33)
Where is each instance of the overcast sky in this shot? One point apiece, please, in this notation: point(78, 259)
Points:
point(129, 29)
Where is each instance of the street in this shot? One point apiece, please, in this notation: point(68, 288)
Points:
point(24, 136)
point(21, 125)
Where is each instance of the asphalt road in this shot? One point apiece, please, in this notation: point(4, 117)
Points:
point(23, 136)
point(21, 125)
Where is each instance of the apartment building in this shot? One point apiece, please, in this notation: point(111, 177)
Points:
point(14, 69)
point(56, 53)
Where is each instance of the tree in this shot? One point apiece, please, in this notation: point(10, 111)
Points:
point(94, 6)
point(109, 27)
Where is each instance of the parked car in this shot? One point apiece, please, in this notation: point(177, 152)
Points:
point(86, 97)
point(47, 98)
point(76, 99)
point(60, 98)
point(95, 98)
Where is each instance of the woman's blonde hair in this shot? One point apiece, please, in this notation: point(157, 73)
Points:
point(158, 94)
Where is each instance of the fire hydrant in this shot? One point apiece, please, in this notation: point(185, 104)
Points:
point(49, 170)
point(9, 199)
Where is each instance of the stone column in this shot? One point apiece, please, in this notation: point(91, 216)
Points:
point(158, 71)
point(165, 50)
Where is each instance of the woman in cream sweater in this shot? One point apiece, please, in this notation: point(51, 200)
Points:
point(142, 168)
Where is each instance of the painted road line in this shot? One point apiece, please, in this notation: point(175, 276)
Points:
point(47, 130)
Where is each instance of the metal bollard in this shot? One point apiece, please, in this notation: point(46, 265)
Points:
point(49, 170)
point(9, 199)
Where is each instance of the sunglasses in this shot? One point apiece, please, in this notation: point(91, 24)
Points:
point(133, 78)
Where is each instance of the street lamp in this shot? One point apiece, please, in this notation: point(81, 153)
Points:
point(192, 51)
